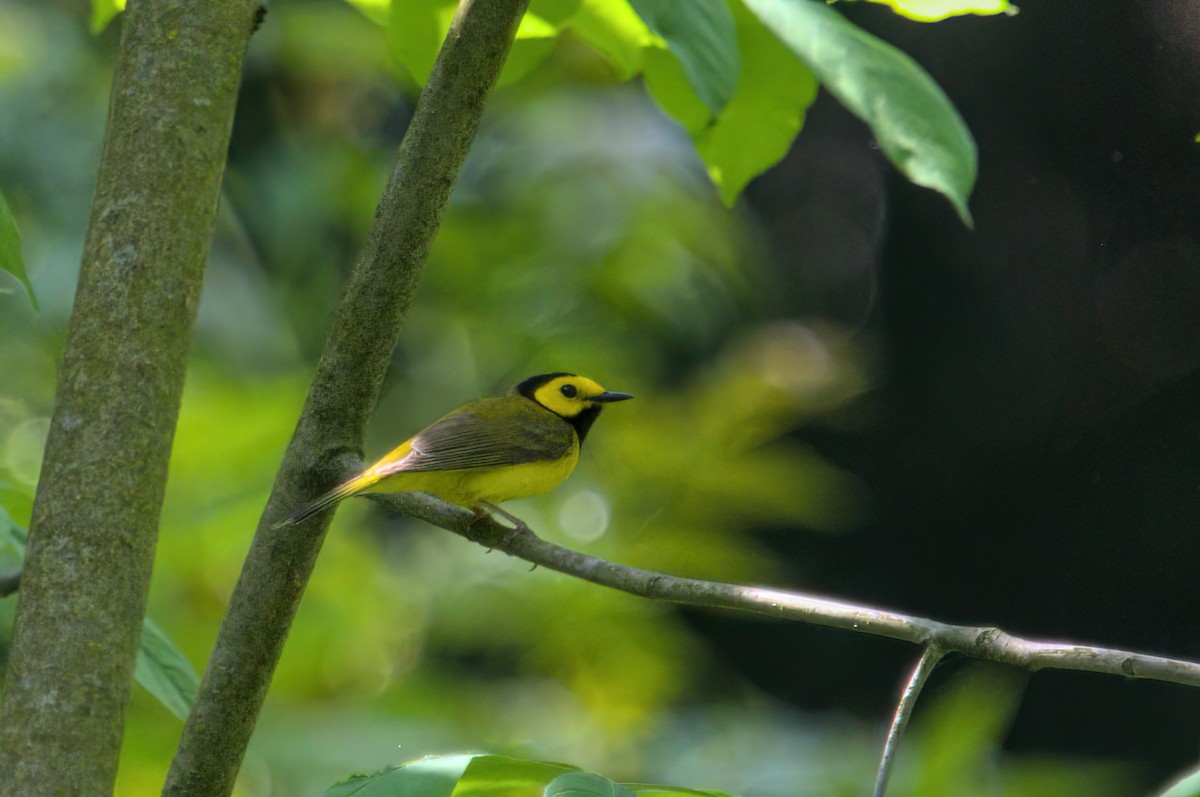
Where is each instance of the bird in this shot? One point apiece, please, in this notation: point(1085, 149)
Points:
point(489, 450)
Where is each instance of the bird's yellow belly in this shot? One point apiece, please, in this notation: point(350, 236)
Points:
point(471, 487)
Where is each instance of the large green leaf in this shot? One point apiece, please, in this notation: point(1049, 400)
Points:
point(934, 10)
point(429, 777)
point(764, 115)
point(457, 775)
point(616, 32)
point(914, 122)
point(585, 784)
point(10, 249)
point(702, 36)
point(491, 774)
point(164, 671)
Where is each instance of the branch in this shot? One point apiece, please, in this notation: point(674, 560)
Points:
point(908, 701)
point(979, 642)
point(343, 395)
point(10, 582)
point(95, 516)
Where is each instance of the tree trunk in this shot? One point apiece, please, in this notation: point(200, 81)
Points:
point(95, 517)
point(342, 397)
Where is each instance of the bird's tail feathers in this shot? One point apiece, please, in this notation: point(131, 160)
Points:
point(334, 496)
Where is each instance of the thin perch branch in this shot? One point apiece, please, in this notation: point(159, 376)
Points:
point(343, 395)
point(908, 701)
point(979, 642)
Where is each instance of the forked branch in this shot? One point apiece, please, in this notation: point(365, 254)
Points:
point(979, 642)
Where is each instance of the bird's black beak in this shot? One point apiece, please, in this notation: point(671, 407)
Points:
point(609, 396)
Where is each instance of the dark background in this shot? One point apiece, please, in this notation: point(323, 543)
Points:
point(1038, 462)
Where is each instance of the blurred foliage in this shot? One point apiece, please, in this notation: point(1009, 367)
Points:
point(10, 249)
point(916, 125)
point(934, 10)
point(584, 235)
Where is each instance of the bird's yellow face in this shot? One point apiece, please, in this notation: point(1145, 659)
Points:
point(567, 395)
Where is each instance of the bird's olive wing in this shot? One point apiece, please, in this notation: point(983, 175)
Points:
point(488, 434)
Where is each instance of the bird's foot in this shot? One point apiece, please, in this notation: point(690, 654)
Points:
point(519, 526)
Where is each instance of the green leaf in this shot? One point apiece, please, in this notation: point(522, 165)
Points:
point(669, 86)
point(934, 10)
point(702, 36)
point(378, 11)
point(10, 250)
point(616, 32)
point(488, 774)
point(429, 777)
point(164, 671)
point(458, 775)
point(104, 12)
point(764, 115)
point(585, 784)
point(657, 790)
point(1187, 786)
point(417, 28)
point(915, 124)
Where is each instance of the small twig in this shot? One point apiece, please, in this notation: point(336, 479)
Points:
point(979, 642)
point(9, 582)
point(904, 709)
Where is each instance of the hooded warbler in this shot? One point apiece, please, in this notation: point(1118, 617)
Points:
point(489, 450)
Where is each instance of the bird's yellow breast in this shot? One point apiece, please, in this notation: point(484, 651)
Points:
point(471, 486)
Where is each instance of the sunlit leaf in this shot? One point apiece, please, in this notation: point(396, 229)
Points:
point(765, 113)
point(585, 784)
point(1187, 786)
point(668, 84)
point(10, 249)
point(488, 774)
point(701, 34)
point(417, 28)
point(614, 31)
point(934, 10)
point(378, 11)
point(164, 671)
point(430, 777)
point(911, 117)
point(104, 12)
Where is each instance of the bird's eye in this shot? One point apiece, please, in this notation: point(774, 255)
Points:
point(569, 391)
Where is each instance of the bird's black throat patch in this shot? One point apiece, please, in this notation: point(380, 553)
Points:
point(584, 420)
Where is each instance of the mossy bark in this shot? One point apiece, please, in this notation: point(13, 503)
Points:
point(342, 397)
point(95, 517)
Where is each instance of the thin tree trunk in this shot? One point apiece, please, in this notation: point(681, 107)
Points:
point(343, 395)
point(95, 518)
